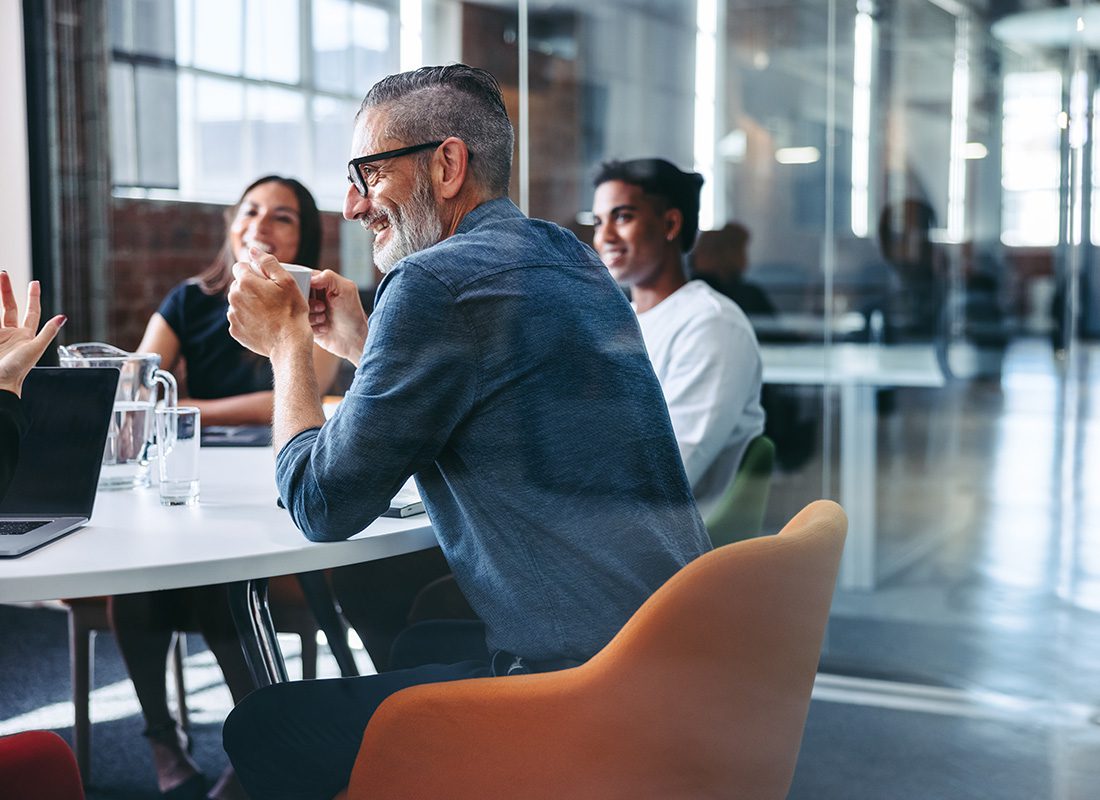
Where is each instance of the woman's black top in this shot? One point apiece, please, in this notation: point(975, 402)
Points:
point(217, 365)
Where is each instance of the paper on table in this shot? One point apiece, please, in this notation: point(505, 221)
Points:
point(330, 404)
point(406, 502)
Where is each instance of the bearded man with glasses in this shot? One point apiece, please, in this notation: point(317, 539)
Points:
point(504, 369)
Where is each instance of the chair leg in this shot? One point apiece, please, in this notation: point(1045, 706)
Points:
point(309, 652)
point(321, 603)
point(179, 652)
point(82, 667)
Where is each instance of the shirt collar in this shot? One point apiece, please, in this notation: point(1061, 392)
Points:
point(497, 208)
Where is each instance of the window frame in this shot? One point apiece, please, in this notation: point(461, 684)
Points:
point(187, 185)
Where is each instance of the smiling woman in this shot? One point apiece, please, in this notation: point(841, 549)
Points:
point(189, 331)
point(267, 219)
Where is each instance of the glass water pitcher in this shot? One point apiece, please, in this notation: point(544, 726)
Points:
point(130, 437)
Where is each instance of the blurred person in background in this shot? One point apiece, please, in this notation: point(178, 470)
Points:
point(721, 259)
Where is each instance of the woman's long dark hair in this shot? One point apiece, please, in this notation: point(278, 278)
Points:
point(216, 278)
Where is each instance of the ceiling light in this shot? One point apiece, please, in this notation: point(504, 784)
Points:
point(975, 150)
point(797, 155)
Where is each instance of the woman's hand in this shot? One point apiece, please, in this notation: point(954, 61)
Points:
point(20, 347)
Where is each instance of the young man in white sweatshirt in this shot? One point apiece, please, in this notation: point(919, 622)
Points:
point(701, 344)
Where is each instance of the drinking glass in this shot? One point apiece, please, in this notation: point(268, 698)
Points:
point(178, 455)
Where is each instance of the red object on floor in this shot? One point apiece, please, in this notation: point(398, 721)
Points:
point(38, 765)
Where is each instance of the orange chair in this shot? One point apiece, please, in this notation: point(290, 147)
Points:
point(704, 693)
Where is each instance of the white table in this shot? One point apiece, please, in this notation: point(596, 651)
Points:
point(236, 534)
point(858, 370)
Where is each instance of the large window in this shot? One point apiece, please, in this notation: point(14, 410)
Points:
point(208, 94)
point(1031, 172)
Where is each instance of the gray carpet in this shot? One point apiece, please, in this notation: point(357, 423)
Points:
point(34, 672)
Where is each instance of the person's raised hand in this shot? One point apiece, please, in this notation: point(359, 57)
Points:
point(336, 315)
point(266, 308)
point(21, 343)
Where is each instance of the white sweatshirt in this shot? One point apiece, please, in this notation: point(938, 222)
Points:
point(706, 357)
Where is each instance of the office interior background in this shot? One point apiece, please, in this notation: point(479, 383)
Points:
point(907, 172)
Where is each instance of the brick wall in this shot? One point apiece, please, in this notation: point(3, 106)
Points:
point(155, 244)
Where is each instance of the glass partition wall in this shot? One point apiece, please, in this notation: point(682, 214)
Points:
point(908, 188)
point(909, 184)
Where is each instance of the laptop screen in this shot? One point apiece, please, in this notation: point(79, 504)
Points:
point(69, 411)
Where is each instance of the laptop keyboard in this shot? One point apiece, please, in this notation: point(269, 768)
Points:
point(8, 528)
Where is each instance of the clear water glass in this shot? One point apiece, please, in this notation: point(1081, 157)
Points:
point(177, 448)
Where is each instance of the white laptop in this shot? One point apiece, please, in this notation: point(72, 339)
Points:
point(53, 489)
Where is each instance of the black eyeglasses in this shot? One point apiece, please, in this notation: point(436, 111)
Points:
point(362, 176)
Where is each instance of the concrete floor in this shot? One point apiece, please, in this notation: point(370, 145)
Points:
point(989, 591)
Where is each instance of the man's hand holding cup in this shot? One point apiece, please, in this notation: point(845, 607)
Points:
point(267, 308)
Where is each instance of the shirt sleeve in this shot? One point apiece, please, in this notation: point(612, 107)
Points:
point(13, 424)
point(415, 383)
point(172, 309)
point(711, 381)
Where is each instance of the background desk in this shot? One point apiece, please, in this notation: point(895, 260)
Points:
point(858, 370)
point(235, 534)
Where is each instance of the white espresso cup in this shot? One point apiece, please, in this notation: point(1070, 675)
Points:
point(301, 276)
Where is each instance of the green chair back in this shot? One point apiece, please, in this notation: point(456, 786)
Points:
point(739, 513)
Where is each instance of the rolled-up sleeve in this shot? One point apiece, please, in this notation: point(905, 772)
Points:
point(416, 382)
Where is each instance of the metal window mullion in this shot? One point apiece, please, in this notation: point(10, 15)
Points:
point(305, 85)
point(828, 244)
point(349, 74)
point(244, 80)
point(524, 105)
point(139, 175)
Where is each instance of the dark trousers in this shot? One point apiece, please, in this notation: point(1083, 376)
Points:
point(299, 740)
point(383, 598)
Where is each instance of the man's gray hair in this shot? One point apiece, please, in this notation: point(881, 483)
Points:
point(433, 103)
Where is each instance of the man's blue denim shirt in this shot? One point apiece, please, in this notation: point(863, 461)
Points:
point(505, 369)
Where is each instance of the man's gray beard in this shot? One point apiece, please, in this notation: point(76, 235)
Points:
point(413, 228)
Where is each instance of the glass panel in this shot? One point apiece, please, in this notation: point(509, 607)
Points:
point(1031, 158)
point(154, 28)
point(156, 124)
point(331, 39)
point(120, 24)
point(185, 32)
point(907, 184)
point(1030, 217)
point(276, 131)
point(888, 180)
point(621, 91)
point(332, 126)
point(124, 171)
point(788, 245)
point(373, 57)
point(271, 40)
point(218, 35)
point(211, 118)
